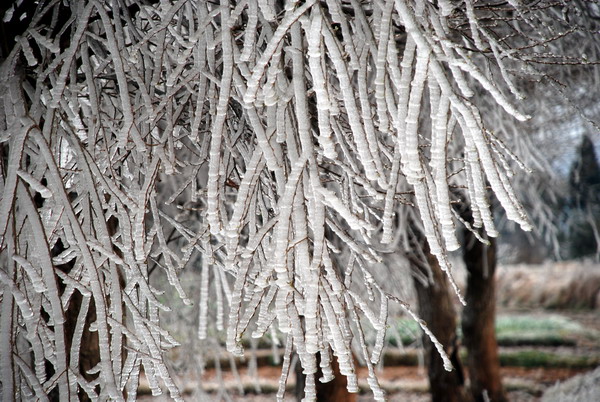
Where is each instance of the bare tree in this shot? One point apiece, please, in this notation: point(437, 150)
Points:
point(278, 140)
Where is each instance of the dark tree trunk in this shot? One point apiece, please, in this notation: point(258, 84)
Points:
point(300, 381)
point(89, 354)
point(478, 319)
point(332, 391)
point(89, 350)
point(436, 308)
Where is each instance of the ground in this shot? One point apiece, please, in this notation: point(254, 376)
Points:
point(409, 382)
point(548, 323)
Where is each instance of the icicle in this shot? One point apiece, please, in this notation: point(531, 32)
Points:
point(445, 53)
point(341, 350)
point(381, 329)
point(311, 309)
point(6, 336)
point(203, 319)
point(366, 115)
point(411, 159)
point(310, 389)
point(378, 393)
point(249, 181)
point(472, 158)
point(285, 367)
point(309, 361)
point(439, 170)
point(219, 293)
point(58, 346)
point(477, 220)
point(471, 127)
point(325, 365)
point(349, 270)
point(233, 336)
point(282, 300)
point(411, 163)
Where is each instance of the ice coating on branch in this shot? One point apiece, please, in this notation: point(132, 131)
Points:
point(330, 199)
point(446, 7)
point(20, 298)
point(440, 174)
point(360, 137)
point(258, 147)
point(315, 53)
point(215, 167)
point(250, 32)
point(380, 82)
point(45, 42)
point(27, 51)
point(258, 71)
point(203, 319)
point(402, 83)
point(34, 276)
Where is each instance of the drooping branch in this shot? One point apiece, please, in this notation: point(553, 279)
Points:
point(273, 141)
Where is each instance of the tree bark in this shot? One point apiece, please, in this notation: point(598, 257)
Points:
point(89, 350)
point(437, 309)
point(478, 319)
point(332, 391)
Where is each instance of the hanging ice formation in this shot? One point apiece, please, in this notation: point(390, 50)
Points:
point(272, 148)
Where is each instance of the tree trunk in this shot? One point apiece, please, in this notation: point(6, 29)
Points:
point(478, 319)
point(437, 309)
point(332, 391)
point(89, 350)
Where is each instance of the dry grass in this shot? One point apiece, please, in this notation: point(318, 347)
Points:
point(566, 285)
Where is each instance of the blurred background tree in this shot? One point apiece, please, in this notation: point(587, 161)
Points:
point(582, 204)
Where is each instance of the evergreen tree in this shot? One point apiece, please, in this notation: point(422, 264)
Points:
point(584, 180)
point(583, 204)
